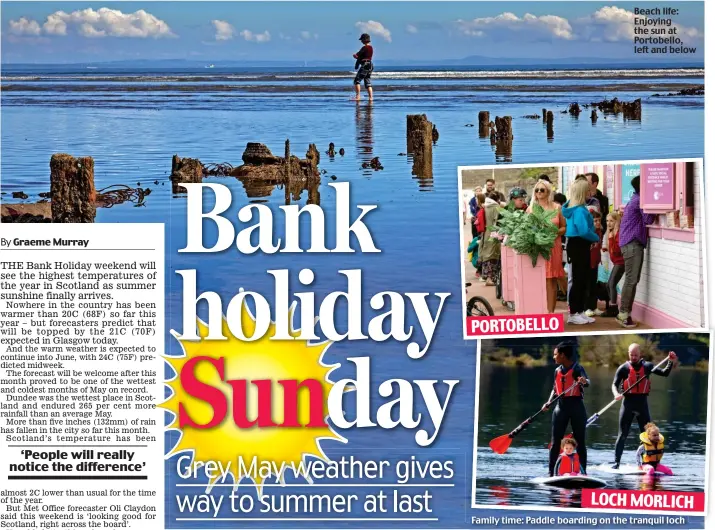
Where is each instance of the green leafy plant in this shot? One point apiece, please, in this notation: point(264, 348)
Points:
point(531, 233)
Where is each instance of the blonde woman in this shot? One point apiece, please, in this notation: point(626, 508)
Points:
point(581, 235)
point(544, 197)
point(610, 243)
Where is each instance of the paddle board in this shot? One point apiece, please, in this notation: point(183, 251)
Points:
point(571, 481)
point(626, 469)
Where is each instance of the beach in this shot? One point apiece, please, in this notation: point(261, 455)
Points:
point(133, 122)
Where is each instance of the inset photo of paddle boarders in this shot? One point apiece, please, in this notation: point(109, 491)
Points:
point(584, 247)
point(563, 422)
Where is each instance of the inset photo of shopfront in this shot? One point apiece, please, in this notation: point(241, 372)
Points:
point(583, 247)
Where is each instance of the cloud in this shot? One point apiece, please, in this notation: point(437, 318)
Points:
point(103, 22)
point(255, 37)
point(24, 26)
point(530, 27)
point(224, 30)
point(615, 24)
point(307, 35)
point(374, 28)
point(411, 29)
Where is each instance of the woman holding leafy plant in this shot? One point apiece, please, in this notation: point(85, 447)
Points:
point(543, 196)
point(581, 235)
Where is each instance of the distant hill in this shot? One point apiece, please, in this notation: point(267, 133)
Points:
point(473, 61)
point(600, 350)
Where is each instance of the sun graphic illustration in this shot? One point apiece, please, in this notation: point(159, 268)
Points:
point(265, 362)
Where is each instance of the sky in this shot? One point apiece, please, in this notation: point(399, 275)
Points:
point(69, 32)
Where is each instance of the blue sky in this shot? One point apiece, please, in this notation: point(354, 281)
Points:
point(63, 32)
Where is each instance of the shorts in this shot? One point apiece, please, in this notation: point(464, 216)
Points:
point(363, 74)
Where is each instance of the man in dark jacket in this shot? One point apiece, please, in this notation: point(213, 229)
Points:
point(600, 197)
point(632, 392)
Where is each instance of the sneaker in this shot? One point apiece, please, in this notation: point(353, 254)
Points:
point(598, 313)
point(616, 465)
point(588, 319)
point(577, 318)
point(622, 316)
point(628, 323)
point(612, 312)
point(589, 313)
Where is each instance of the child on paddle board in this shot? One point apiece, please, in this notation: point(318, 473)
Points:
point(568, 463)
point(651, 450)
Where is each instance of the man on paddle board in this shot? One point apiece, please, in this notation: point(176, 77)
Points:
point(634, 401)
point(570, 407)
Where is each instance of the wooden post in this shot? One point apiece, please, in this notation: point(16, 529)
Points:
point(501, 137)
point(550, 125)
point(594, 116)
point(72, 189)
point(543, 115)
point(420, 137)
point(484, 124)
point(419, 133)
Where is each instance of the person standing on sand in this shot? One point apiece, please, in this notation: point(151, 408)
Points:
point(634, 397)
point(363, 65)
point(569, 378)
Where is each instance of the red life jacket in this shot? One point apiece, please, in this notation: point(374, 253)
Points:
point(633, 375)
point(564, 380)
point(569, 464)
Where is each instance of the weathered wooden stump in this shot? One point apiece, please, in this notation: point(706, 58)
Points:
point(72, 189)
point(501, 130)
point(484, 124)
point(313, 158)
point(574, 109)
point(419, 133)
point(185, 170)
point(594, 116)
point(258, 154)
point(543, 115)
point(550, 125)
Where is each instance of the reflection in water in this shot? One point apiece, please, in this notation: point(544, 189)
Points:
point(503, 150)
point(364, 135)
point(651, 483)
point(258, 189)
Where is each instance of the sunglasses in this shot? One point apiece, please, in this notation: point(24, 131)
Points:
point(540, 190)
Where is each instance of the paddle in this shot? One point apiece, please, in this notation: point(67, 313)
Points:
point(593, 419)
point(500, 444)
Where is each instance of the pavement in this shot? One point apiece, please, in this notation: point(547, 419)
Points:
point(479, 288)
